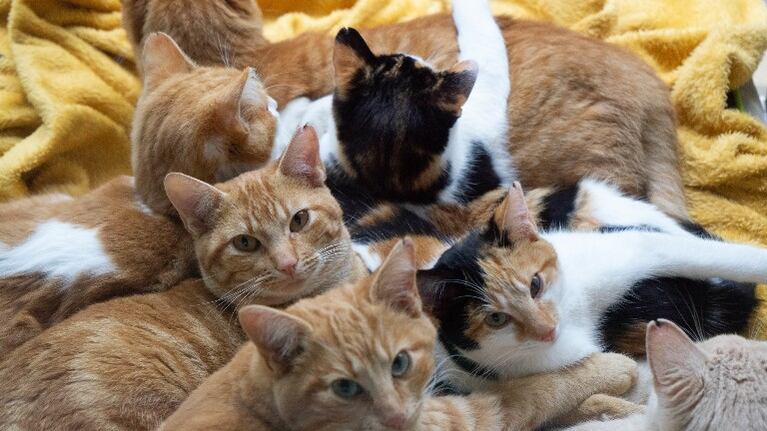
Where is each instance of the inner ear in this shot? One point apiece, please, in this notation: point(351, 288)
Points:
point(512, 218)
point(675, 360)
point(455, 87)
point(301, 159)
point(162, 58)
point(350, 55)
point(279, 336)
point(247, 94)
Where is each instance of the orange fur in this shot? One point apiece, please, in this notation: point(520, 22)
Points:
point(578, 107)
point(283, 379)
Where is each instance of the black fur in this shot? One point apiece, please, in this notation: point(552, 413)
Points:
point(481, 177)
point(392, 122)
point(403, 223)
point(558, 208)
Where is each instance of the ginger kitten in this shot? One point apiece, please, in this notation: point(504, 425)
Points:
point(129, 362)
point(212, 123)
point(360, 357)
point(578, 107)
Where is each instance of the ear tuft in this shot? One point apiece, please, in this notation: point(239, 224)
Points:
point(301, 159)
point(194, 200)
point(350, 54)
point(513, 218)
point(675, 360)
point(279, 336)
point(456, 86)
point(162, 58)
point(395, 281)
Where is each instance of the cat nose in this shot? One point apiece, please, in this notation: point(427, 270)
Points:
point(395, 421)
point(287, 265)
point(548, 335)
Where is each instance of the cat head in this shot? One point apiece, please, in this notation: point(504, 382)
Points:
point(356, 357)
point(393, 116)
point(268, 236)
point(489, 292)
point(720, 383)
point(212, 123)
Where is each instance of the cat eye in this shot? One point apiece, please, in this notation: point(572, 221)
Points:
point(245, 243)
point(299, 220)
point(346, 388)
point(497, 319)
point(401, 364)
point(535, 285)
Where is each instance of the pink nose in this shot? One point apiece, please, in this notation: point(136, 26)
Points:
point(396, 421)
point(549, 336)
point(287, 266)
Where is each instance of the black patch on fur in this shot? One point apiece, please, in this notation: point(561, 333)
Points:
point(404, 222)
point(443, 388)
point(391, 129)
point(468, 365)
point(702, 308)
point(354, 200)
point(558, 208)
point(480, 178)
point(615, 228)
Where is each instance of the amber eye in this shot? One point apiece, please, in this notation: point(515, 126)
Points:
point(497, 319)
point(535, 286)
point(299, 220)
point(245, 243)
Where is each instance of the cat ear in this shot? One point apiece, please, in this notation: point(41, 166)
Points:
point(454, 90)
point(512, 217)
point(350, 54)
point(676, 361)
point(301, 160)
point(161, 58)
point(279, 337)
point(435, 293)
point(194, 200)
point(248, 93)
point(395, 282)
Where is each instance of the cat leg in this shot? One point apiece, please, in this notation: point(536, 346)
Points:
point(600, 407)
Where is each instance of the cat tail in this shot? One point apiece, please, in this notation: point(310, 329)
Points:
point(665, 188)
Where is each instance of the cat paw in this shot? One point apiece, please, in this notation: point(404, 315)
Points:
point(617, 373)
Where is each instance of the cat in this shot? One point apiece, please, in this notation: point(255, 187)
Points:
point(268, 236)
point(360, 357)
point(716, 384)
point(212, 123)
point(59, 254)
point(392, 117)
point(603, 113)
point(511, 301)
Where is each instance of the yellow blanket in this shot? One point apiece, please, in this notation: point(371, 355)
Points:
point(67, 90)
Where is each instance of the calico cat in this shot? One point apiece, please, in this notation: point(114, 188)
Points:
point(512, 301)
point(401, 131)
point(59, 254)
point(716, 384)
point(266, 237)
point(212, 123)
point(360, 357)
point(603, 113)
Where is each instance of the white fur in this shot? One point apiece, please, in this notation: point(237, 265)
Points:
point(484, 117)
point(371, 259)
point(59, 250)
point(316, 113)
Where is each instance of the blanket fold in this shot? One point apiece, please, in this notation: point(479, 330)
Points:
point(67, 87)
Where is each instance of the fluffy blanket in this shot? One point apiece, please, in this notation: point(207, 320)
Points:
point(67, 88)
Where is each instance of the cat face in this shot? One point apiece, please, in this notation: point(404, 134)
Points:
point(490, 292)
point(212, 123)
point(268, 236)
point(719, 383)
point(357, 357)
point(393, 116)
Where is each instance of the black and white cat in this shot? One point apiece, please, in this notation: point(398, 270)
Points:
point(512, 301)
point(397, 130)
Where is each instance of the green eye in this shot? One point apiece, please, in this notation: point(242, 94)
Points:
point(401, 364)
point(346, 388)
point(299, 220)
point(245, 243)
point(497, 319)
point(535, 286)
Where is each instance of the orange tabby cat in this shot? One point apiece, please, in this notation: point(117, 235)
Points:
point(361, 357)
point(212, 123)
point(267, 237)
point(58, 254)
point(578, 106)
